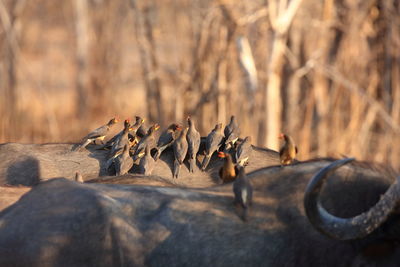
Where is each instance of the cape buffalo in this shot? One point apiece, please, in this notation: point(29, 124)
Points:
point(64, 223)
point(28, 164)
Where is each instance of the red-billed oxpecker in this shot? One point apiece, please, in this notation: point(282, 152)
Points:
point(243, 192)
point(146, 164)
point(133, 139)
point(213, 142)
point(123, 163)
point(97, 134)
point(180, 150)
point(193, 139)
point(232, 133)
point(112, 141)
point(288, 151)
point(147, 140)
point(228, 171)
point(166, 139)
point(243, 152)
point(121, 140)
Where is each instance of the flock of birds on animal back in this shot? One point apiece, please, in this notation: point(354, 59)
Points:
point(135, 144)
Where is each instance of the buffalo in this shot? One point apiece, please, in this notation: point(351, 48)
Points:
point(64, 223)
point(28, 164)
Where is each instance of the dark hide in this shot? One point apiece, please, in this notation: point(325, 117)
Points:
point(64, 223)
point(27, 164)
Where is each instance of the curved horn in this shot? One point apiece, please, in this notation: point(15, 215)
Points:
point(349, 228)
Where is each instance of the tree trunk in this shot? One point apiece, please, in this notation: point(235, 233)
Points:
point(82, 57)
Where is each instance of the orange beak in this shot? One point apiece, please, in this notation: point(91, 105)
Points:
point(157, 127)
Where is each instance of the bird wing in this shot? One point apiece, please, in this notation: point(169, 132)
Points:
point(166, 138)
point(101, 131)
point(180, 149)
point(193, 139)
point(215, 141)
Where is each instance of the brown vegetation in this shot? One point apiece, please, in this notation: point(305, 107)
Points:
point(325, 72)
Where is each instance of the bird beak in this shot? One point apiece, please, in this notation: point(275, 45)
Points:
point(157, 127)
point(221, 154)
point(280, 136)
point(143, 120)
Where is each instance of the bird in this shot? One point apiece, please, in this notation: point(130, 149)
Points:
point(146, 164)
point(97, 134)
point(243, 192)
point(78, 177)
point(193, 139)
point(180, 150)
point(118, 146)
point(123, 163)
point(121, 140)
point(213, 142)
point(147, 140)
point(243, 152)
point(228, 171)
point(288, 151)
point(232, 133)
point(132, 136)
point(166, 139)
point(142, 131)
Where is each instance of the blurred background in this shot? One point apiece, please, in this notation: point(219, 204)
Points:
point(325, 72)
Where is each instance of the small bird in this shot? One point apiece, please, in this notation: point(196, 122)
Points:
point(213, 142)
point(147, 140)
point(288, 151)
point(232, 133)
point(78, 177)
point(193, 139)
point(180, 150)
point(243, 152)
point(146, 164)
point(142, 131)
point(243, 192)
point(166, 139)
point(121, 140)
point(123, 163)
point(98, 134)
point(132, 136)
point(228, 171)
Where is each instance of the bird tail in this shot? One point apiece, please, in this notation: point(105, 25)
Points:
point(245, 214)
point(192, 163)
point(227, 147)
point(139, 154)
point(83, 145)
point(205, 162)
point(177, 167)
point(158, 153)
point(109, 164)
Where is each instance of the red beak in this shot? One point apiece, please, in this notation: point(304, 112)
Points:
point(221, 154)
